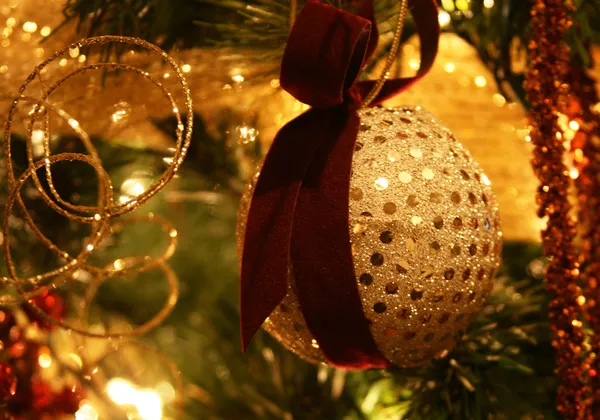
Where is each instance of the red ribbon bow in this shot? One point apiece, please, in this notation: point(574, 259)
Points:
point(299, 211)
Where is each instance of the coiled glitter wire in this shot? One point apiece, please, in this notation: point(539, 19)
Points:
point(104, 218)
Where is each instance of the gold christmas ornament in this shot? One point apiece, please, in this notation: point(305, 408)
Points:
point(461, 91)
point(424, 233)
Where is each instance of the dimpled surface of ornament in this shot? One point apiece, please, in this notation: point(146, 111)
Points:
point(425, 239)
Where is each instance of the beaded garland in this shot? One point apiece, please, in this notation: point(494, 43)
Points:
point(547, 93)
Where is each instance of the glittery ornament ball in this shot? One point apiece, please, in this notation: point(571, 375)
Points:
point(425, 239)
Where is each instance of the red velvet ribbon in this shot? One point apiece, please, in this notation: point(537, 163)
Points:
point(298, 216)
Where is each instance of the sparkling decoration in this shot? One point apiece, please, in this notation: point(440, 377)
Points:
point(584, 131)
point(547, 93)
point(425, 247)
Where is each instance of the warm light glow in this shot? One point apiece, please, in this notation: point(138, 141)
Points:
point(75, 360)
point(149, 405)
point(576, 323)
point(73, 123)
point(574, 125)
point(166, 391)
point(462, 5)
point(44, 360)
point(574, 173)
point(62, 62)
point(480, 81)
point(147, 402)
point(275, 83)
point(414, 63)
point(247, 134)
point(86, 412)
point(90, 247)
point(132, 187)
point(118, 115)
point(448, 5)
point(119, 265)
point(30, 27)
point(166, 75)
point(173, 233)
point(82, 58)
point(488, 3)
point(581, 300)
point(11, 21)
point(186, 68)
point(37, 136)
point(485, 179)
point(499, 100)
point(443, 18)
point(74, 52)
point(450, 67)
point(238, 78)
point(120, 391)
point(45, 31)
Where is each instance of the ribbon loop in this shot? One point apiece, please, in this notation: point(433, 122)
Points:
point(298, 217)
point(324, 54)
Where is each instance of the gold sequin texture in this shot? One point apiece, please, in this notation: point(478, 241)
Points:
point(415, 280)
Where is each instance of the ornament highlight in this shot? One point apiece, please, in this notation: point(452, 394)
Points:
point(425, 239)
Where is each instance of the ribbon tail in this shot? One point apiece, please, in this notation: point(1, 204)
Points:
point(266, 251)
point(321, 255)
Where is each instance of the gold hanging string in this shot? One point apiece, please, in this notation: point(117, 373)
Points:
point(293, 11)
point(391, 56)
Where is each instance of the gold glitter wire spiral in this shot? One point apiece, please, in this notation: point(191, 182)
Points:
point(102, 217)
point(547, 92)
point(391, 56)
